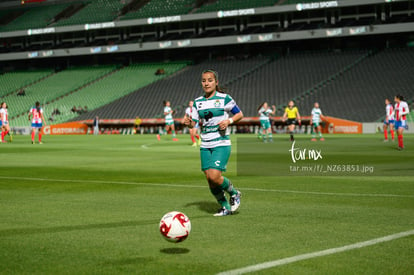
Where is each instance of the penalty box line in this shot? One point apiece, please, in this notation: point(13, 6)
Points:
point(284, 261)
point(205, 186)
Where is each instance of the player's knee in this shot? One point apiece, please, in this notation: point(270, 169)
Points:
point(213, 177)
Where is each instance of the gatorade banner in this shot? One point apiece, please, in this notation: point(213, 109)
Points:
point(335, 125)
point(70, 128)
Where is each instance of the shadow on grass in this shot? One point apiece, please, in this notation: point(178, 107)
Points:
point(175, 250)
point(205, 206)
point(68, 228)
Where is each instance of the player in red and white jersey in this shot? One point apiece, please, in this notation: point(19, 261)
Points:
point(193, 131)
point(389, 120)
point(4, 122)
point(37, 118)
point(401, 111)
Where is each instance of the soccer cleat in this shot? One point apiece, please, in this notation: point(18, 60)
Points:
point(11, 138)
point(322, 139)
point(222, 212)
point(194, 144)
point(400, 148)
point(385, 140)
point(314, 139)
point(40, 142)
point(158, 137)
point(175, 139)
point(199, 141)
point(235, 201)
point(33, 142)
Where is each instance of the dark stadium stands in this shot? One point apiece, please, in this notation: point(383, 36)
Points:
point(359, 93)
point(350, 85)
point(178, 88)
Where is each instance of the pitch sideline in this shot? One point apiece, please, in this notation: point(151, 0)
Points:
point(297, 258)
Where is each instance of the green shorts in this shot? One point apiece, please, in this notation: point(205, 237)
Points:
point(315, 124)
point(265, 124)
point(215, 158)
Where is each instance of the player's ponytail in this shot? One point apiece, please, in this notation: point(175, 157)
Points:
point(261, 105)
point(38, 107)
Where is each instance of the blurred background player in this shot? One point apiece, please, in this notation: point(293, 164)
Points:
point(316, 118)
point(193, 131)
point(36, 115)
point(389, 120)
point(96, 126)
point(213, 109)
point(292, 117)
point(264, 112)
point(169, 120)
point(401, 111)
point(4, 123)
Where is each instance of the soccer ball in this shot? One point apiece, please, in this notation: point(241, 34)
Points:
point(175, 226)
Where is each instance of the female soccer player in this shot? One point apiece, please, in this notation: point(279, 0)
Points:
point(193, 131)
point(401, 111)
point(213, 110)
point(36, 115)
point(169, 121)
point(264, 112)
point(293, 117)
point(389, 120)
point(316, 118)
point(4, 122)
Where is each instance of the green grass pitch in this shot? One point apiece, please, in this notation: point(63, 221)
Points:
point(92, 205)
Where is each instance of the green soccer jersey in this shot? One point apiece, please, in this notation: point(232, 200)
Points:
point(316, 115)
point(264, 113)
point(210, 112)
point(168, 117)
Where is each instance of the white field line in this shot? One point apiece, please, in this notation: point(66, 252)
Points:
point(205, 186)
point(316, 254)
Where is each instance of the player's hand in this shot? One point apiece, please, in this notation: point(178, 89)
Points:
point(300, 122)
point(187, 120)
point(223, 124)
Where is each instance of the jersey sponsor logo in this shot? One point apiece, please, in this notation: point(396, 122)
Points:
point(207, 115)
point(217, 163)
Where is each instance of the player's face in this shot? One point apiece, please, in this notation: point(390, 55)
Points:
point(290, 104)
point(208, 82)
point(396, 99)
point(190, 104)
point(4, 105)
point(265, 105)
point(167, 103)
point(387, 102)
point(316, 105)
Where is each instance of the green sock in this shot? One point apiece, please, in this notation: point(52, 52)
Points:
point(173, 133)
point(218, 193)
point(228, 187)
point(270, 136)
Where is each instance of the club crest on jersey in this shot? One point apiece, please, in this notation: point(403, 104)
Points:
point(217, 103)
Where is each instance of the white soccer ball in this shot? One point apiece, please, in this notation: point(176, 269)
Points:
point(175, 226)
